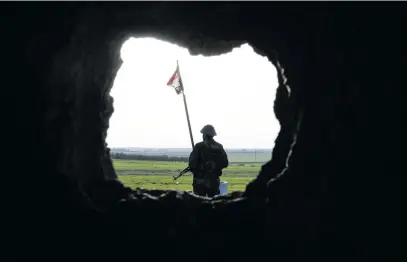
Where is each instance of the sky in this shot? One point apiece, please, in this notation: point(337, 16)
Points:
point(234, 92)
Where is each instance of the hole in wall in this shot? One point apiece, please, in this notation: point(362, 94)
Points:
point(148, 134)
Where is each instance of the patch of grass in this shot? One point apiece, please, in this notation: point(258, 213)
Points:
point(185, 182)
point(163, 167)
point(158, 175)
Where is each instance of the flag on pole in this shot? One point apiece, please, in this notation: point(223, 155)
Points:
point(176, 82)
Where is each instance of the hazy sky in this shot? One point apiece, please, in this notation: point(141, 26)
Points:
point(233, 92)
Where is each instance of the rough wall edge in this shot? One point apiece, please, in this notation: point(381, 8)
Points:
point(226, 46)
point(289, 115)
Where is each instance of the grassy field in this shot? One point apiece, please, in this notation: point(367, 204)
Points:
point(158, 175)
point(185, 182)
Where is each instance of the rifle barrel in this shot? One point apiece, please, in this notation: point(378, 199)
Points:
point(186, 170)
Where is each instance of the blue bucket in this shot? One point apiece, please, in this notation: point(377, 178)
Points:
point(223, 188)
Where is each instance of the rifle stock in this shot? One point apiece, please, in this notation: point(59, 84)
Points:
point(186, 170)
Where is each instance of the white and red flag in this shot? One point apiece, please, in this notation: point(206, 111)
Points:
point(176, 82)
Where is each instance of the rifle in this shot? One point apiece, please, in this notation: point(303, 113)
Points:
point(186, 170)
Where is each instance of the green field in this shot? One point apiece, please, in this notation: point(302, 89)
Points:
point(158, 175)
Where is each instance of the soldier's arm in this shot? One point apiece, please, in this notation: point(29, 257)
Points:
point(194, 159)
point(225, 158)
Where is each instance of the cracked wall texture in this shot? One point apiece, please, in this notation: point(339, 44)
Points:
point(341, 191)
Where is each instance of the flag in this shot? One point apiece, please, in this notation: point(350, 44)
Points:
point(176, 82)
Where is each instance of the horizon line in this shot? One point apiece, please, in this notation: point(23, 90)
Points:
point(131, 147)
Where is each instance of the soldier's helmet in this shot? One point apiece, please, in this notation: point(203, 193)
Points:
point(208, 130)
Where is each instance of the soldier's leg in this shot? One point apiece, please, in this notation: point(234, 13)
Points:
point(213, 190)
point(198, 188)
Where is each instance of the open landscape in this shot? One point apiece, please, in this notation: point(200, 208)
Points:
point(159, 174)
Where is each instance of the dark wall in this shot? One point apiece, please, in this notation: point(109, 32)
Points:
point(341, 61)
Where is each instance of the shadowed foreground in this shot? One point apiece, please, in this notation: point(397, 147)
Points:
point(337, 103)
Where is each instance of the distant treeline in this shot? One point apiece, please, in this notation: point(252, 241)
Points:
point(144, 157)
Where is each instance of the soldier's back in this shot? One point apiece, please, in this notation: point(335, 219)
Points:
point(213, 145)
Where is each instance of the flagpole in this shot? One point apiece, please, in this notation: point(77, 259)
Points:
point(186, 107)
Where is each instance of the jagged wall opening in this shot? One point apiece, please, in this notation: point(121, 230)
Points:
point(337, 192)
point(95, 185)
point(231, 91)
point(77, 147)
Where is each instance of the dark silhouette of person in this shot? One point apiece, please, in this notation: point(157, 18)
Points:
point(206, 162)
